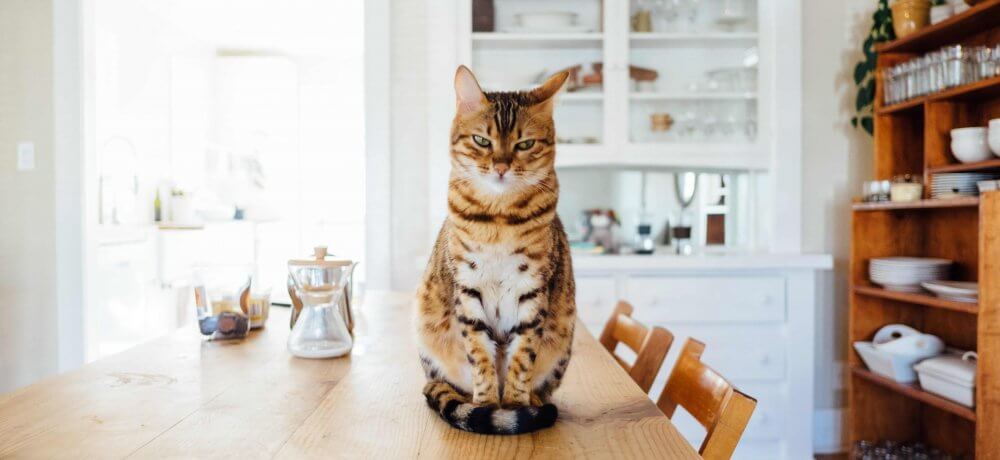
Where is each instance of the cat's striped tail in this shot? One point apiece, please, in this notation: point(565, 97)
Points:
point(456, 409)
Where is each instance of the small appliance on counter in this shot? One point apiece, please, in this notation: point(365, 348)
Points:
point(322, 321)
point(644, 243)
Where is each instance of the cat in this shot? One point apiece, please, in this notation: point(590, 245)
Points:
point(496, 308)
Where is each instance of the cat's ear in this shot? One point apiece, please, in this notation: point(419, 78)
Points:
point(468, 95)
point(545, 93)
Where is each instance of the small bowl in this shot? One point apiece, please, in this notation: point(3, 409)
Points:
point(969, 145)
point(993, 136)
point(975, 131)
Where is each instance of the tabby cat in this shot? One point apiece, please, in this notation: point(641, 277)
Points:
point(496, 306)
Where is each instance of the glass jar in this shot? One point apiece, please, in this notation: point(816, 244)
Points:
point(982, 62)
point(956, 65)
point(888, 86)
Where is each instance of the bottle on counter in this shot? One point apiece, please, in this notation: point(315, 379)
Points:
point(157, 208)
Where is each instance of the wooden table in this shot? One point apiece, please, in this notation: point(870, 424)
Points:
point(180, 396)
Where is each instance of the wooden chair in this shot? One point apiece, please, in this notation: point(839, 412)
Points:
point(723, 410)
point(650, 345)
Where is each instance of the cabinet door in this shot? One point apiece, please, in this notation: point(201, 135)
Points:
point(595, 299)
point(708, 299)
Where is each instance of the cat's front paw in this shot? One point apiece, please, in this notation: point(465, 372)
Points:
point(486, 398)
point(515, 398)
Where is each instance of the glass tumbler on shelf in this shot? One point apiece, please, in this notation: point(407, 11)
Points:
point(321, 330)
point(983, 63)
point(956, 65)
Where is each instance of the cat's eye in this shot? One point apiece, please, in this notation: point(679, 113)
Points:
point(525, 145)
point(480, 140)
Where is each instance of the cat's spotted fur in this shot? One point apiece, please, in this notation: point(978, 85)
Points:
point(496, 306)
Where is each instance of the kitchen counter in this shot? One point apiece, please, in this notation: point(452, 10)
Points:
point(726, 261)
point(181, 396)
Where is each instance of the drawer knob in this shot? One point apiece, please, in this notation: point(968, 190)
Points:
point(765, 360)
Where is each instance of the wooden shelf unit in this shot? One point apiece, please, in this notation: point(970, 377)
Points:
point(962, 202)
point(914, 138)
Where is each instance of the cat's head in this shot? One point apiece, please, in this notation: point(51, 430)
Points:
point(503, 142)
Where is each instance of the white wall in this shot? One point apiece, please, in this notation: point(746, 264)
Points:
point(408, 139)
point(836, 159)
point(28, 313)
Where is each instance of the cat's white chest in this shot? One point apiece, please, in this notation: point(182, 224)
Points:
point(499, 276)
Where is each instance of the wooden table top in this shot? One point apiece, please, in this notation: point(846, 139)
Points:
point(181, 396)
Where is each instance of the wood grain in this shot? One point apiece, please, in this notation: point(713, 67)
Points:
point(914, 391)
point(927, 300)
point(719, 407)
point(988, 369)
point(180, 396)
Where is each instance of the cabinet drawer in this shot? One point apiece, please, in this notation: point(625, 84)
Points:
point(739, 353)
point(708, 299)
point(595, 299)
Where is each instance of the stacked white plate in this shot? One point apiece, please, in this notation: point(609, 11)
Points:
point(964, 184)
point(959, 291)
point(905, 274)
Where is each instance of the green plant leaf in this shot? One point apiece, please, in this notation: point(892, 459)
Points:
point(860, 72)
point(868, 124)
point(866, 95)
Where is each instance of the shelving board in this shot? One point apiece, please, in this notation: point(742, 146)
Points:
point(925, 300)
point(952, 30)
point(581, 97)
point(963, 202)
point(727, 157)
point(987, 88)
point(504, 40)
point(667, 39)
point(913, 391)
point(688, 96)
point(987, 165)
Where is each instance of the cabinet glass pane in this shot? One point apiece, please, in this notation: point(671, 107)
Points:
point(517, 44)
point(693, 71)
point(719, 208)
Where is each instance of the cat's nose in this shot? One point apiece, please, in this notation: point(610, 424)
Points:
point(501, 168)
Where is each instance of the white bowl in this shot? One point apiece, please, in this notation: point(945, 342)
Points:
point(546, 19)
point(974, 131)
point(993, 137)
point(970, 146)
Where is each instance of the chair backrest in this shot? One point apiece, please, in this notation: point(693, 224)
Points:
point(650, 345)
point(723, 410)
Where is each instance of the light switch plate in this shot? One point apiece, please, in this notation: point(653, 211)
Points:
point(25, 156)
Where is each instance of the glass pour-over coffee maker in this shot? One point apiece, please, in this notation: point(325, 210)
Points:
point(321, 329)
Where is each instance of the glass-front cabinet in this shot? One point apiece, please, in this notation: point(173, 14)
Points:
point(664, 96)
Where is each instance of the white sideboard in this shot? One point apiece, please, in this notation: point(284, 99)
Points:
point(755, 313)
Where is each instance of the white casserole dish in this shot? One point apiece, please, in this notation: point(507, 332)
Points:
point(951, 376)
point(893, 366)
